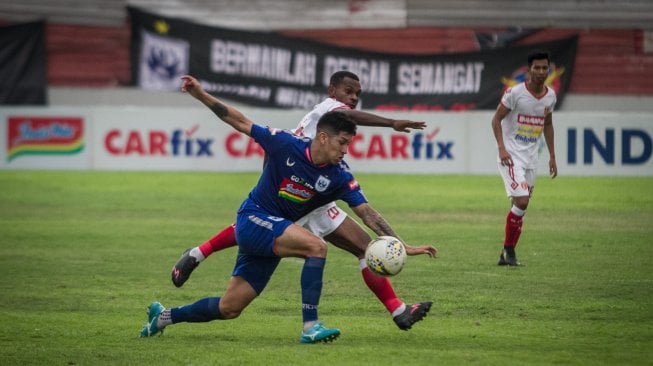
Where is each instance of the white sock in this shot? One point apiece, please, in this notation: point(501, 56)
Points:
point(164, 319)
point(518, 211)
point(362, 264)
point(197, 253)
point(399, 310)
point(309, 324)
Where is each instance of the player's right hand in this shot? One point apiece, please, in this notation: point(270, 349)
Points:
point(402, 125)
point(505, 157)
point(429, 250)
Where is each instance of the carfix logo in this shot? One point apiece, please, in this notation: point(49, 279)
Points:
point(418, 146)
point(44, 136)
point(158, 143)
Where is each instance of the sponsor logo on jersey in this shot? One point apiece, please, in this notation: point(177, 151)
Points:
point(529, 128)
point(294, 191)
point(353, 184)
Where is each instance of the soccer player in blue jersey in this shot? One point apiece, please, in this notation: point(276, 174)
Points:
point(300, 175)
point(329, 221)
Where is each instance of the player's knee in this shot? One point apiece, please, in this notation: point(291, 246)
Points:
point(354, 240)
point(230, 312)
point(521, 202)
point(316, 248)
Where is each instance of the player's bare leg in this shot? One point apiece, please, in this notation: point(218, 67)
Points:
point(351, 237)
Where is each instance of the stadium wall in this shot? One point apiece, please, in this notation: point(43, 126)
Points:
point(612, 71)
point(192, 139)
point(608, 62)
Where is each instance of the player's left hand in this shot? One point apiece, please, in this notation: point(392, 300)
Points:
point(403, 125)
point(191, 86)
point(429, 250)
point(553, 168)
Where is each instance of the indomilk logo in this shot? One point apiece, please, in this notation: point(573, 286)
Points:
point(44, 136)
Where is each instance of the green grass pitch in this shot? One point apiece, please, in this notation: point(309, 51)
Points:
point(82, 254)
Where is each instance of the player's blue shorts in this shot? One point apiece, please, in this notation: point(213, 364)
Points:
point(256, 231)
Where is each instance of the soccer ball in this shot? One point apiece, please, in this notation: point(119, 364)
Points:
point(385, 256)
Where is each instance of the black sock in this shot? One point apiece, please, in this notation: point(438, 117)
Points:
point(510, 251)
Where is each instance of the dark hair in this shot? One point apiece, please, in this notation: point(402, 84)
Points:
point(335, 122)
point(538, 55)
point(339, 76)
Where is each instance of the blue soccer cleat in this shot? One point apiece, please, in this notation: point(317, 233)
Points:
point(318, 333)
point(151, 327)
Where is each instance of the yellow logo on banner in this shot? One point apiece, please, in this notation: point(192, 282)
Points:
point(161, 27)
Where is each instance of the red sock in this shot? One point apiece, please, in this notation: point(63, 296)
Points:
point(382, 289)
point(513, 229)
point(222, 240)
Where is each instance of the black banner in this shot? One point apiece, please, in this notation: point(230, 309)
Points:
point(271, 70)
point(23, 68)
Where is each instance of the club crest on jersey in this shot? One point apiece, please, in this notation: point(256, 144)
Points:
point(322, 183)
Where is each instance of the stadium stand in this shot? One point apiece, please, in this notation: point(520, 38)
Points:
point(88, 40)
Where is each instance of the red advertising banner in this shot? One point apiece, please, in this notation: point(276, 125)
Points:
point(44, 135)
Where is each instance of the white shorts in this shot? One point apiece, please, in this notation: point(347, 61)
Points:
point(323, 220)
point(519, 181)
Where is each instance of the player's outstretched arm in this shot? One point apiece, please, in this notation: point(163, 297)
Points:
point(227, 113)
point(377, 223)
point(369, 119)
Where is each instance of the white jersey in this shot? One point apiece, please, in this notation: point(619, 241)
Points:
point(523, 126)
point(308, 125)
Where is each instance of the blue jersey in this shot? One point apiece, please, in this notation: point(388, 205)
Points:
point(291, 185)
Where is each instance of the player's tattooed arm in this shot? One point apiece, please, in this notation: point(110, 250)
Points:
point(377, 223)
point(228, 114)
point(220, 110)
point(372, 219)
